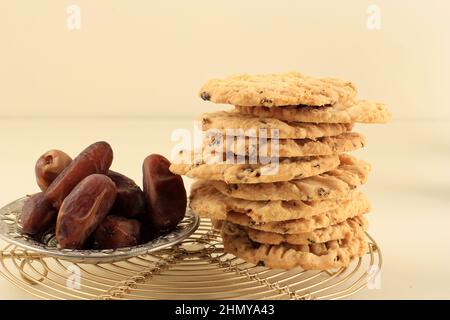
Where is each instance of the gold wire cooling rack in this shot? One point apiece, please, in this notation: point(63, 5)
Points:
point(196, 268)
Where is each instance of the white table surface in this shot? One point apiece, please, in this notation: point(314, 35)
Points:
point(409, 187)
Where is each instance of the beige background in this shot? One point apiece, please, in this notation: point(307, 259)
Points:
point(134, 58)
point(131, 76)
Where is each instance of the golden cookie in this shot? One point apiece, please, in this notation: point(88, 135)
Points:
point(229, 123)
point(332, 184)
point(208, 202)
point(348, 209)
point(319, 256)
point(201, 166)
point(273, 90)
point(263, 147)
point(359, 111)
point(338, 231)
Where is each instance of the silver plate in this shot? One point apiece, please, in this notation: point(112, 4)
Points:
point(11, 231)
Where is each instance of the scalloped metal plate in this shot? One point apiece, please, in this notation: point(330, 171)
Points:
point(11, 231)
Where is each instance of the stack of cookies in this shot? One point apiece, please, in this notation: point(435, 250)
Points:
point(275, 174)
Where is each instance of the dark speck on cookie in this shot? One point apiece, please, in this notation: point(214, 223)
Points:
point(205, 96)
point(266, 102)
point(205, 121)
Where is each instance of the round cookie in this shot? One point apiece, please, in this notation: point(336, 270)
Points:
point(201, 166)
point(319, 256)
point(332, 184)
point(273, 90)
point(228, 122)
point(338, 231)
point(208, 202)
point(263, 147)
point(347, 209)
point(358, 111)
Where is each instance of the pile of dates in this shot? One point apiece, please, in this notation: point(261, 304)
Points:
point(95, 207)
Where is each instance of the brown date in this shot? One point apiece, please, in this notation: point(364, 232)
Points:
point(117, 232)
point(96, 158)
point(37, 214)
point(164, 192)
point(49, 166)
point(84, 209)
point(130, 198)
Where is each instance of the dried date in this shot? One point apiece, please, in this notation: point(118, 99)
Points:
point(96, 158)
point(49, 166)
point(84, 209)
point(117, 232)
point(130, 198)
point(37, 214)
point(164, 193)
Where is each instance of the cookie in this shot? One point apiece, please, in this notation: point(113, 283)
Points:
point(359, 111)
point(198, 166)
point(208, 202)
point(332, 184)
point(245, 124)
point(319, 256)
point(338, 231)
point(273, 90)
point(263, 147)
point(348, 209)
